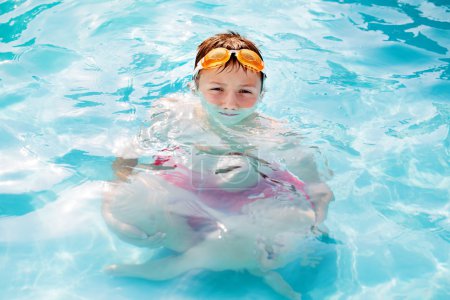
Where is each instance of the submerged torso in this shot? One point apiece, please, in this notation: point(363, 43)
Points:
point(227, 167)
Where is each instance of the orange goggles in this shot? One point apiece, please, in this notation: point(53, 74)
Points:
point(220, 56)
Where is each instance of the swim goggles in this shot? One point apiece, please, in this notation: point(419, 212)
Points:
point(220, 56)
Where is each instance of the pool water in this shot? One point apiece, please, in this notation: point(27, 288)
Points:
point(367, 82)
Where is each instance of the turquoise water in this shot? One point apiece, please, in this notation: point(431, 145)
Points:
point(365, 81)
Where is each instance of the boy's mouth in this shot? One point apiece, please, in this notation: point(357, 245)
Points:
point(228, 114)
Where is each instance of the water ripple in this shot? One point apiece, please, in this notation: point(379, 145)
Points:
point(13, 29)
point(10, 5)
point(408, 33)
point(366, 82)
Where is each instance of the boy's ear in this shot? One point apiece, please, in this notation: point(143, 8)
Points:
point(193, 86)
point(261, 95)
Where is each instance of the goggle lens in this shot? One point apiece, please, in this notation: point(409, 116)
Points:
point(215, 58)
point(250, 59)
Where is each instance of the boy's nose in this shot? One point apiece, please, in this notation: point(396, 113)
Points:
point(230, 101)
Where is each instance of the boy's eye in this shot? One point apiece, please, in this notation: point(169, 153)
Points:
point(216, 89)
point(245, 92)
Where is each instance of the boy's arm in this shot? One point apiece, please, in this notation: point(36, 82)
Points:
point(128, 151)
point(305, 168)
point(321, 195)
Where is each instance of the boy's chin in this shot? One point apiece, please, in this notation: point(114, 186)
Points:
point(231, 120)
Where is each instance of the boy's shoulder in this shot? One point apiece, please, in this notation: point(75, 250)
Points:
point(177, 107)
point(270, 125)
point(166, 102)
point(176, 101)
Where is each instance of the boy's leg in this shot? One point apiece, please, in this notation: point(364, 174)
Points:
point(201, 256)
point(140, 212)
point(277, 283)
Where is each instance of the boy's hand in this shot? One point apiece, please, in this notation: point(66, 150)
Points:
point(321, 196)
point(123, 167)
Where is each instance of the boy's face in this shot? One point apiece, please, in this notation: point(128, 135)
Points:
point(230, 89)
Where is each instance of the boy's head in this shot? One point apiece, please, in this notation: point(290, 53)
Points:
point(228, 74)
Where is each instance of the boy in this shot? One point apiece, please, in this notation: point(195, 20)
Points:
point(216, 186)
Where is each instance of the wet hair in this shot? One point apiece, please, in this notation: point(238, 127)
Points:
point(231, 41)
